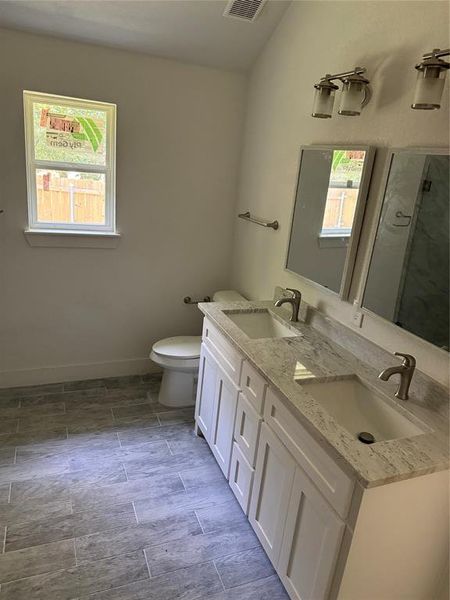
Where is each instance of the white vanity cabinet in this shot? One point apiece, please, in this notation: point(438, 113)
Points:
point(250, 435)
point(327, 537)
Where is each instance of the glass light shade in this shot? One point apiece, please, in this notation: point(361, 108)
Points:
point(323, 102)
point(429, 89)
point(352, 97)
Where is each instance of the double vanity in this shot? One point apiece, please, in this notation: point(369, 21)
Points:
point(345, 486)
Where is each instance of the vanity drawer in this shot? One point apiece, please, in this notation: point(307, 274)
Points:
point(246, 429)
point(241, 478)
point(335, 485)
point(254, 386)
point(228, 358)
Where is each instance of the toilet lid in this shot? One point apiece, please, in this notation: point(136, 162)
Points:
point(187, 346)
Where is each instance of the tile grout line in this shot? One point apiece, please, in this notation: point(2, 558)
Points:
point(198, 519)
point(170, 449)
point(75, 551)
point(135, 513)
point(4, 540)
point(126, 472)
point(218, 574)
point(182, 482)
point(146, 562)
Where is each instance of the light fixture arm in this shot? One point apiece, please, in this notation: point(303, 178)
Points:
point(341, 76)
point(437, 53)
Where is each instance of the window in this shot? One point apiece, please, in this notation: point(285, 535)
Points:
point(343, 189)
point(70, 156)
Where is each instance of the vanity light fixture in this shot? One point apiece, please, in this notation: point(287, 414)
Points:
point(430, 82)
point(355, 94)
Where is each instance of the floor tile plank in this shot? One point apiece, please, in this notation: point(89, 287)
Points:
point(191, 583)
point(36, 560)
point(140, 468)
point(199, 548)
point(26, 511)
point(269, 588)
point(29, 438)
point(205, 495)
point(139, 435)
point(128, 539)
point(69, 584)
point(59, 487)
point(221, 517)
point(157, 487)
point(68, 526)
point(32, 390)
point(171, 417)
point(244, 567)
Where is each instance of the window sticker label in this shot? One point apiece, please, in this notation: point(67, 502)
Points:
point(72, 132)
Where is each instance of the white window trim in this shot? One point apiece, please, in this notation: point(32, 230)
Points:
point(109, 169)
point(44, 238)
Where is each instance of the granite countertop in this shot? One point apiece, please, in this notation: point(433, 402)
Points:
point(291, 364)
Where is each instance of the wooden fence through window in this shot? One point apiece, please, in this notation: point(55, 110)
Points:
point(68, 200)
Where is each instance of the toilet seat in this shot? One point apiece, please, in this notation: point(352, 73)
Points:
point(180, 348)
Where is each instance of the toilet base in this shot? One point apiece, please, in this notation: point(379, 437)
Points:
point(178, 388)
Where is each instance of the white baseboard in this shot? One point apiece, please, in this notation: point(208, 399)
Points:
point(56, 374)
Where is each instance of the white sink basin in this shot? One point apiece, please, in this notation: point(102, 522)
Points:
point(260, 324)
point(359, 409)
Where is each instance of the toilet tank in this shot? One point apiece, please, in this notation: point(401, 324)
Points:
point(227, 296)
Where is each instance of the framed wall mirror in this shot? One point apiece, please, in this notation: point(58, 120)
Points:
point(407, 279)
point(328, 210)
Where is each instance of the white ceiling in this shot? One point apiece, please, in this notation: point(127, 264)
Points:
point(190, 30)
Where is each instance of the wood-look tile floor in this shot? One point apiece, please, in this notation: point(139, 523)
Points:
point(107, 495)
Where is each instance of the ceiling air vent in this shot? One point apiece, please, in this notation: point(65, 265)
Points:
point(246, 10)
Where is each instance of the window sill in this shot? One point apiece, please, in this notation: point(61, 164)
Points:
point(333, 241)
point(45, 238)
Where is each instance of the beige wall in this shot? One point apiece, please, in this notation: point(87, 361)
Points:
point(315, 38)
point(73, 313)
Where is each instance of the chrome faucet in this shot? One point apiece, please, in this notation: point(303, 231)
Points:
point(405, 370)
point(294, 301)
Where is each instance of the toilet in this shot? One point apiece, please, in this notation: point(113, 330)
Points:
point(179, 358)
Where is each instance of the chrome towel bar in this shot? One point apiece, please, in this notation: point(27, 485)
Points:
point(247, 217)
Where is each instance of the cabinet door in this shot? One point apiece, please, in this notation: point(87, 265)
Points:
point(204, 405)
point(246, 429)
point(311, 542)
point(241, 477)
point(224, 413)
point(274, 475)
